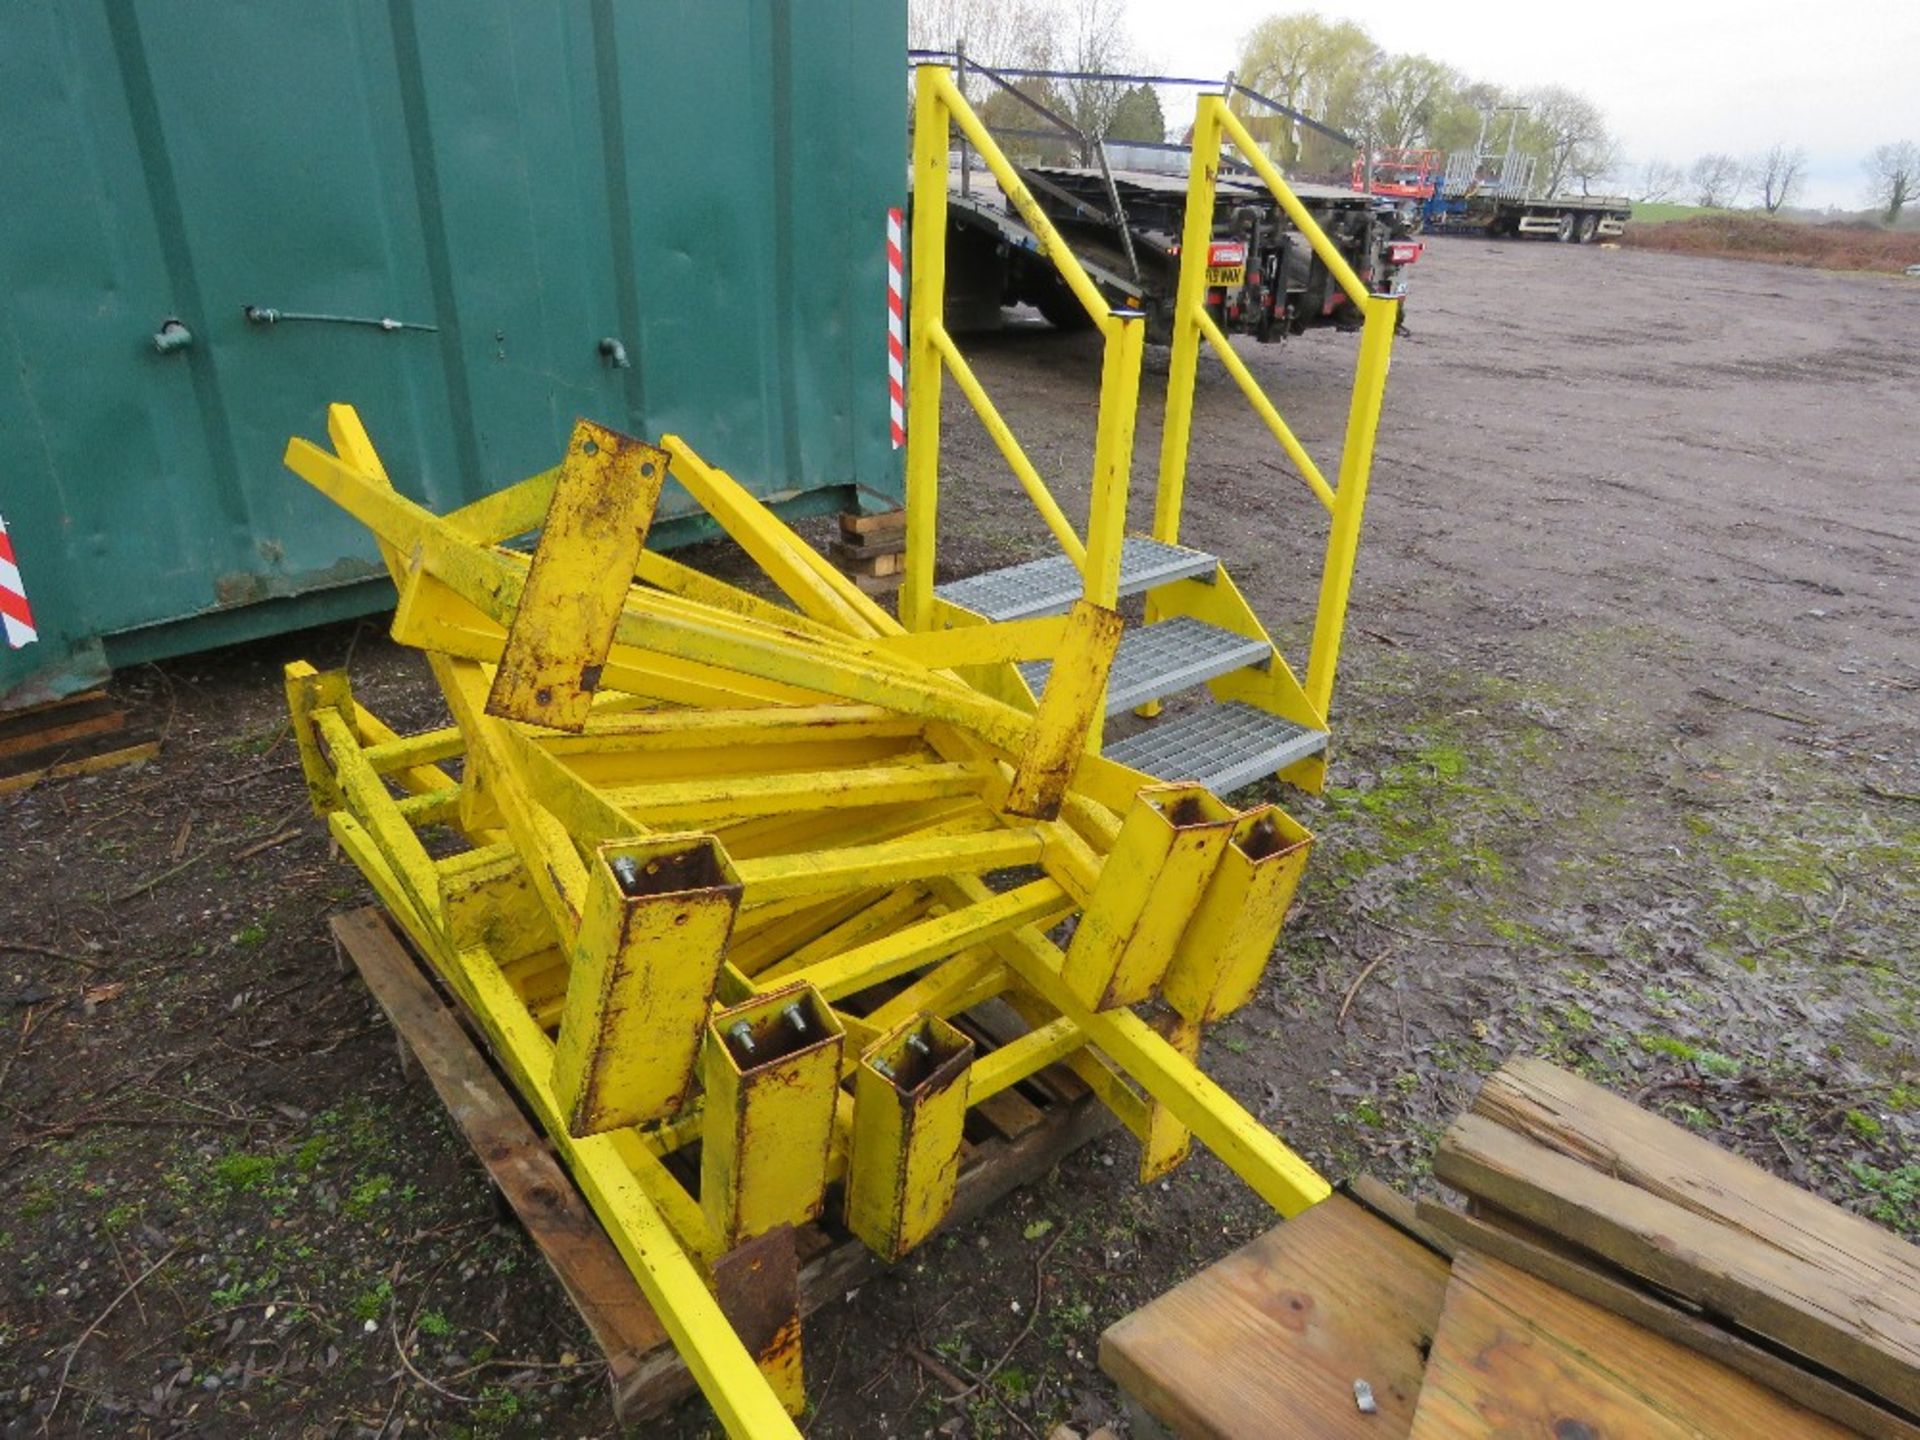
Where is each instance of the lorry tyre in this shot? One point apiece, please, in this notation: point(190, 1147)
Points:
point(1565, 234)
point(1589, 227)
point(1061, 308)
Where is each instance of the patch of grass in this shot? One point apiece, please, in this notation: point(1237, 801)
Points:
point(1894, 1194)
point(240, 1171)
point(432, 1322)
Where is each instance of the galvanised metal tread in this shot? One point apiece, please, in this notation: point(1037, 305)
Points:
point(1155, 661)
point(1221, 746)
point(1051, 585)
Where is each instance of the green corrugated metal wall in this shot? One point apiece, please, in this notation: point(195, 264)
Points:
point(704, 181)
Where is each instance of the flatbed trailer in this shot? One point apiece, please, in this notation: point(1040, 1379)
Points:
point(1264, 278)
point(1485, 194)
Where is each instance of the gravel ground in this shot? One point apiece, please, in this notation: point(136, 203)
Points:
point(1626, 774)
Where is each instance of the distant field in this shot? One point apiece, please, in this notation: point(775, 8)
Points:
point(1661, 212)
point(1851, 245)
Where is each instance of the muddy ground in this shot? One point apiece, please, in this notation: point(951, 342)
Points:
point(1627, 775)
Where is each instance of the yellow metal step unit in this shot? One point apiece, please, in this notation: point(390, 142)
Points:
point(716, 875)
point(1200, 632)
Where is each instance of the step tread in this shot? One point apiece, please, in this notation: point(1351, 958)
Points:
point(1221, 746)
point(1051, 584)
point(1155, 661)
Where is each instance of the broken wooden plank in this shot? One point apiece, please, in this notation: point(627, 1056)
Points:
point(1271, 1339)
point(1819, 1394)
point(1860, 1320)
point(1515, 1357)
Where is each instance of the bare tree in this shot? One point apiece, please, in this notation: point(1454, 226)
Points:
point(1717, 180)
point(1778, 173)
point(1569, 133)
point(1093, 38)
point(996, 33)
point(1659, 180)
point(1893, 172)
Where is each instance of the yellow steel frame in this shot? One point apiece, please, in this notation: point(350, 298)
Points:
point(763, 816)
point(939, 108)
point(1214, 126)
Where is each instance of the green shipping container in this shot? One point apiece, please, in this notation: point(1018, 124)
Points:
point(496, 202)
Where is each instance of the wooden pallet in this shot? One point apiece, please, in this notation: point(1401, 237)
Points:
point(78, 735)
point(1027, 1134)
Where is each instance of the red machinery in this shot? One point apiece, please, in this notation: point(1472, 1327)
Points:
point(1412, 174)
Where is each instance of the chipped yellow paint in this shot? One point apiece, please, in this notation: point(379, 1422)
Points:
point(644, 967)
point(909, 1105)
point(771, 1070)
point(1065, 725)
point(1229, 939)
point(1169, 844)
point(582, 570)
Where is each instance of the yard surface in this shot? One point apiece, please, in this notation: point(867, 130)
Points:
point(1627, 774)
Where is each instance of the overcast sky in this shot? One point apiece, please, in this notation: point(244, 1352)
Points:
point(1676, 77)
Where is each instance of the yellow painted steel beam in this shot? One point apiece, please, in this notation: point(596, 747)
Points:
point(1013, 1062)
point(518, 509)
point(927, 277)
point(366, 798)
point(874, 917)
point(1229, 938)
point(562, 629)
point(771, 1069)
point(405, 753)
point(895, 862)
point(1009, 447)
point(1263, 407)
point(1113, 461)
point(945, 648)
point(1066, 721)
point(1303, 221)
point(1052, 247)
point(796, 567)
point(946, 989)
point(698, 801)
point(1039, 902)
point(1356, 464)
point(703, 729)
point(1251, 1151)
point(1190, 298)
point(431, 617)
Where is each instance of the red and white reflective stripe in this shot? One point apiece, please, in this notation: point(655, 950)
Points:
point(14, 613)
point(896, 334)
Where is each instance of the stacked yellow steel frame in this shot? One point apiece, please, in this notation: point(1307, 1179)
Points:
point(716, 870)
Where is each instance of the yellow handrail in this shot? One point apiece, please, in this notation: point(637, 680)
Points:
point(1009, 447)
point(1263, 407)
point(931, 351)
point(1215, 125)
point(1328, 252)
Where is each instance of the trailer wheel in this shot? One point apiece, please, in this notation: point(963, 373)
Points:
point(1589, 227)
point(1061, 308)
point(1565, 234)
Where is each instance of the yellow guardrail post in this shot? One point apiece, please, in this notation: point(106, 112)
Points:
point(926, 303)
point(1190, 297)
point(1350, 500)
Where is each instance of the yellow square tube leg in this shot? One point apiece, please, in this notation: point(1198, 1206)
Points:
point(1230, 936)
point(772, 1074)
point(1168, 846)
point(652, 936)
point(909, 1105)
